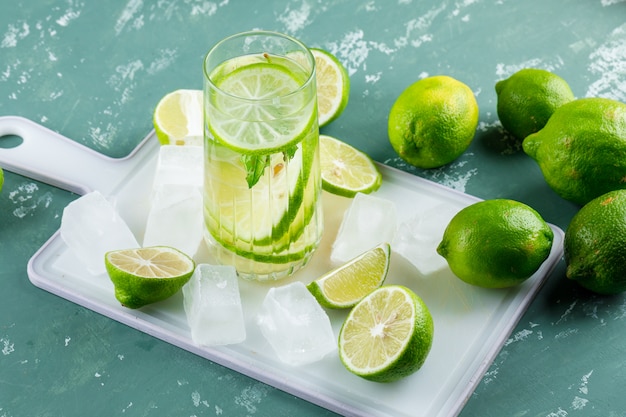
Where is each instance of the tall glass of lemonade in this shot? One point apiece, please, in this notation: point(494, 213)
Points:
point(262, 184)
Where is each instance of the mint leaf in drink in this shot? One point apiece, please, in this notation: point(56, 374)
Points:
point(255, 165)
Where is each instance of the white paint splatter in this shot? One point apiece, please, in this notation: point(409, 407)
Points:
point(506, 70)
point(608, 62)
point(7, 346)
point(165, 59)
point(373, 79)
point(204, 8)
point(371, 7)
point(251, 396)
point(558, 413)
point(567, 312)
point(584, 381)
point(518, 337)
point(352, 50)
point(70, 14)
point(128, 13)
point(14, 34)
point(295, 19)
point(579, 403)
point(195, 397)
point(416, 30)
point(566, 333)
point(446, 175)
point(67, 340)
point(24, 195)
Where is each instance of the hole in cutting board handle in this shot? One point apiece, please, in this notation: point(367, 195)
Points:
point(10, 141)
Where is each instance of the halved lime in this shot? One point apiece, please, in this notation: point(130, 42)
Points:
point(347, 171)
point(263, 109)
point(146, 275)
point(178, 117)
point(345, 286)
point(333, 86)
point(387, 335)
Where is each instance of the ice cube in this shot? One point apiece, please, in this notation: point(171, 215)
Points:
point(90, 227)
point(181, 165)
point(295, 325)
point(213, 306)
point(175, 218)
point(417, 238)
point(368, 222)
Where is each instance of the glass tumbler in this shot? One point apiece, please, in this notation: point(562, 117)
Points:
point(262, 184)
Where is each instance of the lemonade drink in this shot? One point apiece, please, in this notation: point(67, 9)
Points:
point(262, 185)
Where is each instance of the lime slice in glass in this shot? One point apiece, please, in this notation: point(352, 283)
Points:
point(261, 109)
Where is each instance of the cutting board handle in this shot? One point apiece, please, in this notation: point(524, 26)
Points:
point(49, 157)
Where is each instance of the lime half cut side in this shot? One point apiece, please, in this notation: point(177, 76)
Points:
point(261, 108)
point(347, 171)
point(177, 118)
point(147, 275)
point(387, 335)
point(345, 286)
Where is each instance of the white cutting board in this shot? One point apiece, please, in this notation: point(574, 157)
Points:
point(471, 324)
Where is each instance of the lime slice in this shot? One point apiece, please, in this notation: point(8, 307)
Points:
point(1, 179)
point(260, 114)
point(387, 335)
point(146, 275)
point(333, 86)
point(347, 171)
point(345, 286)
point(178, 117)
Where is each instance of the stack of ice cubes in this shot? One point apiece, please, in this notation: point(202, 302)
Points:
point(295, 325)
point(90, 227)
point(213, 306)
point(175, 216)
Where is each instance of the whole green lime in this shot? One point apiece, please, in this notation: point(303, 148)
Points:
point(527, 99)
point(595, 243)
point(433, 121)
point(496, 243)
point(582, 149)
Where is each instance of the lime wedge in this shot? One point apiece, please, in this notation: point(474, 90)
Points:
point(333, 86)
point(178, 117)
point(260, 114)
point(347, 171)
point(345, 286)
point(146, 275)
point(387, 335)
